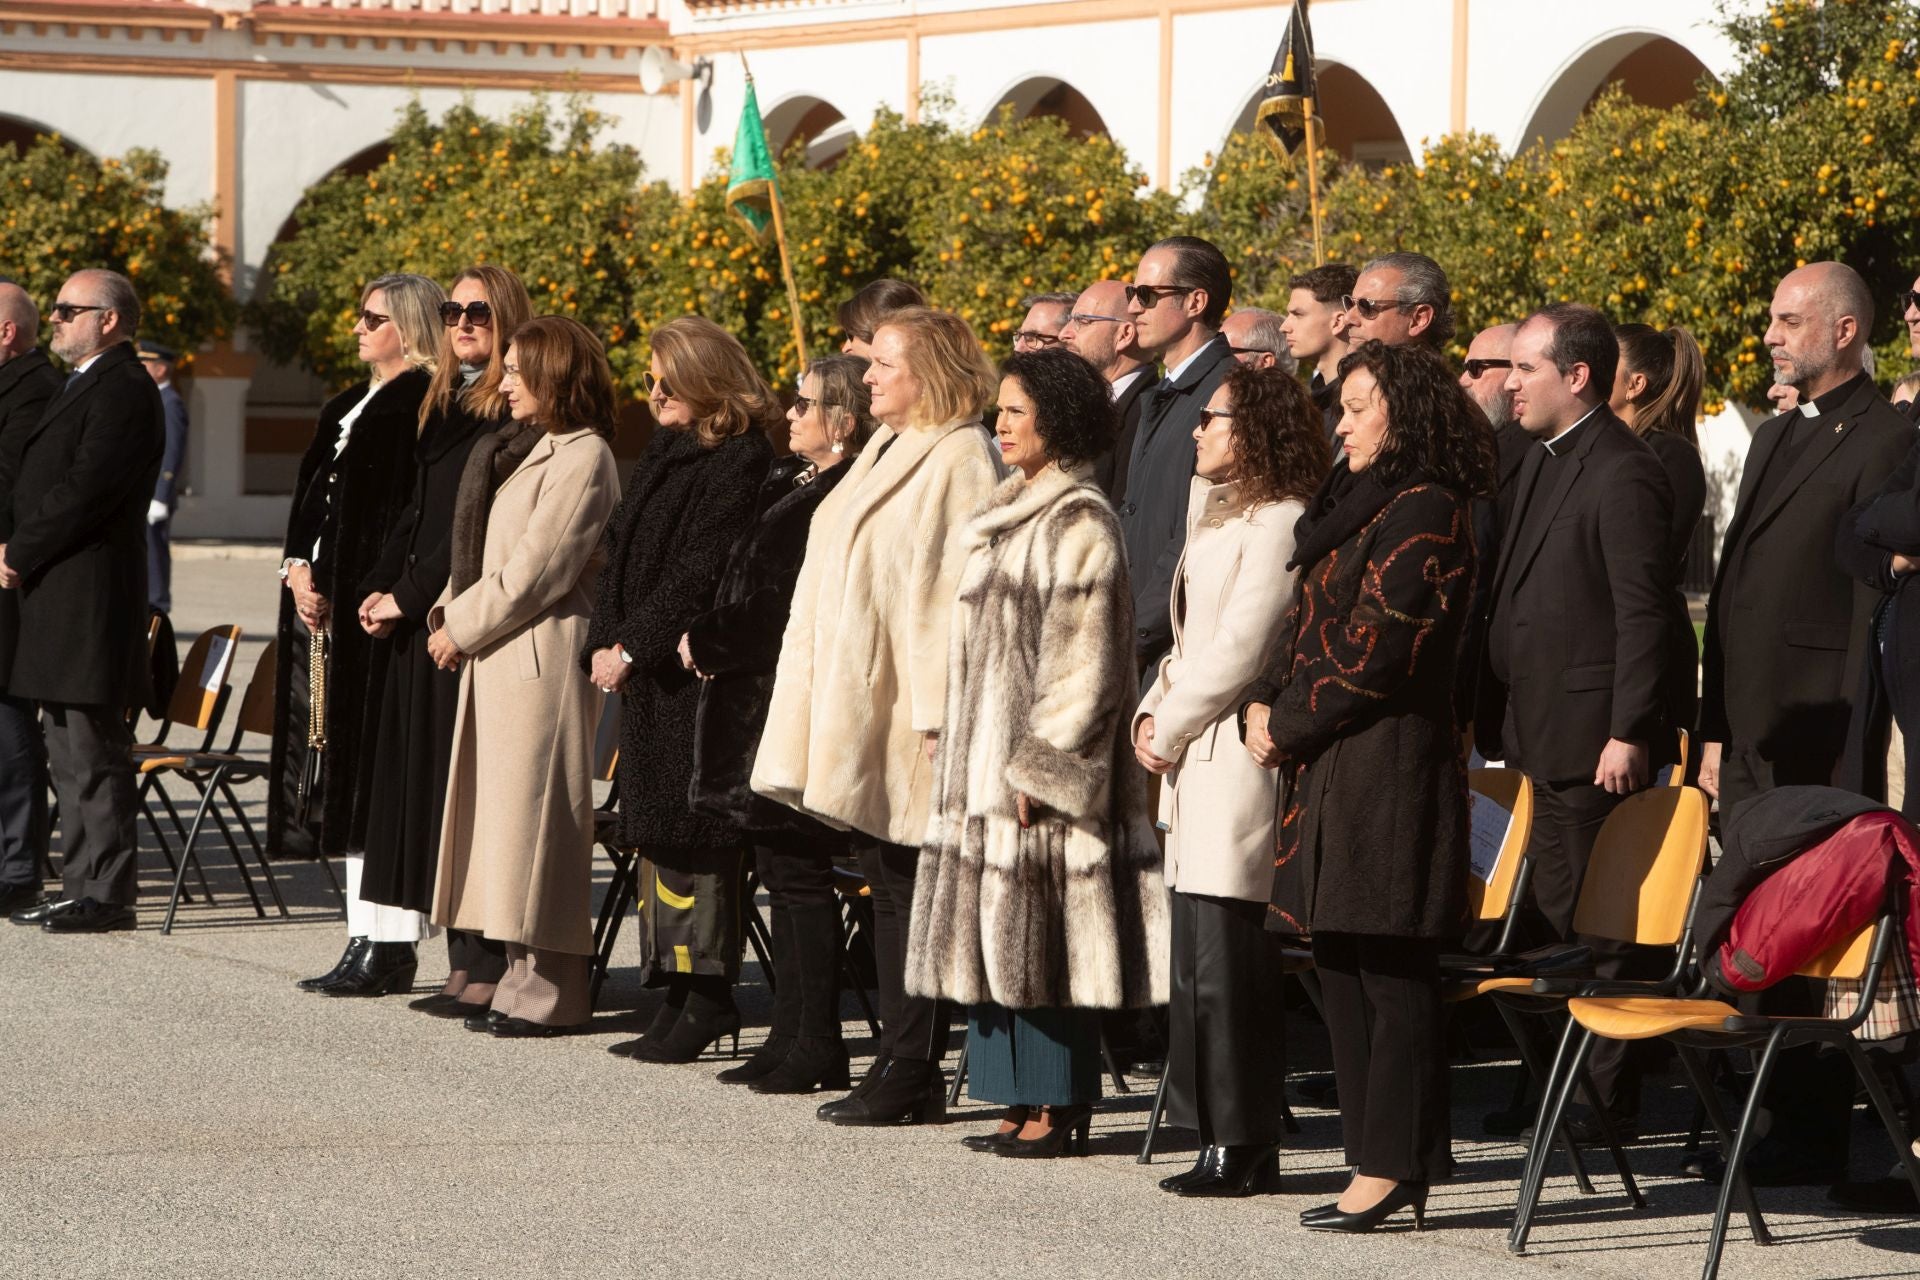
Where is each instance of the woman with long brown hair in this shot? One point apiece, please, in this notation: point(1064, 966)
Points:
point(688, 501)
point(516, 844)
point(464, 405)
point(1260, 452)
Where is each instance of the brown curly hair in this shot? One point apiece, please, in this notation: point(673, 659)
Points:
point(1433, 427)
point(1280, 448)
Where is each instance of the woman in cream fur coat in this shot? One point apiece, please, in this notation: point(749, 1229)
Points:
point(860, 694)
point(1260, 452)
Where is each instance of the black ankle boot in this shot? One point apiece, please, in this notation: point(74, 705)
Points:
point(708, 1015)
point(348, 958)
point(876, 1072)
point(383, 968)
point(814, 1062)
point(911, 1091)
point(662, 1023)
point(1236, 1171)
point(784, 1025)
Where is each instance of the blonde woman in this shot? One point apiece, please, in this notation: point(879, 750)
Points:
point(688, 501)
point(859, 697)
point(354, 484)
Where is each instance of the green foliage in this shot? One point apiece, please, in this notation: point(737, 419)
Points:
point(63, 211)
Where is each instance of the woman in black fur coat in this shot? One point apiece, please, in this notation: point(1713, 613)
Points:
point(734, 648)
point(688, 501)
point(355, 482)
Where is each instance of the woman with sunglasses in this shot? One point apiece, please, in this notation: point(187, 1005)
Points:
point(1260, 451)
point(354, 484)
point(734, 648)
point(464, 416)
point(688, 501)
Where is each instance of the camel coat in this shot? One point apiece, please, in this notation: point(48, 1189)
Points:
point(516, 845)
point(863, 664)
point(1230, 599)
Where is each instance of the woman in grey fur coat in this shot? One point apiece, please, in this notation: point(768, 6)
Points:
point(1040, 897)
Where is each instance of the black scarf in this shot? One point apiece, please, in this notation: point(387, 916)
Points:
point(495, 456)
point(1342, 506)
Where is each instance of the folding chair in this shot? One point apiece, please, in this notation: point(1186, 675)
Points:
point(198, 702)
point(213, 774)
point(856, 923)
point(1699, 1023)
point(622, 888)
point(1677, 774)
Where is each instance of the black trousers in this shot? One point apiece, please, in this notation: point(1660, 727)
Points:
point(88, 759)
point(1226, 1043)
point(1383, 1011)
point(23, 794)
point(796, 869)
point(911, 1027)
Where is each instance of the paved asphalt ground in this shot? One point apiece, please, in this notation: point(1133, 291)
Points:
point(171, 1106)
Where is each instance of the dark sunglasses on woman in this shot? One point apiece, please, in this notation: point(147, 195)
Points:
point(478, 314)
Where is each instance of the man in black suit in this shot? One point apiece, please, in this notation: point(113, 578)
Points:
point(28, 381)
point(1576, 640)
point(1316, 329)
point(1177, 301)
point(1787, 632)
point(76, 557)
point(159, 363)
point(1100, 331)
point(1484, 379)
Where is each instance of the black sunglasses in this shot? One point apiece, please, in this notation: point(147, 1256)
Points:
point(372, 319)
point(64, 312)
point(1477, 367)
point(1911, 298)
point(1148, 295)
point(478, 314)
point(1208, 415)
point(656, 387)
point(1371, 307)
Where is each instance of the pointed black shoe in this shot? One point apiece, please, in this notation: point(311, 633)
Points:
point(348, 958)
point(1014, 1115)
point(662, 1023)
point(765, 1061)
point(383, 968)
point(521, 1029)
point(1206, 1165)
point(876, 1071)
point(814, 1062)
point(1066, 1135)
point(708, 1015)
point(438, 1005)
point(911, 1091)
point(1408, 1195)
point(1237, 1171)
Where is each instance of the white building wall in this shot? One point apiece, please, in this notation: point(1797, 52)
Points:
point(174, 118)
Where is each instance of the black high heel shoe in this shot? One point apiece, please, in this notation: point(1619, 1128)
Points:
point(909, 1091)
point(384, 968)
point(1205, 1166)
point(1066, 1135)
point(348, 958)
point(1237, 1171)
point(702, 1021)
point(1407, 1195)
point(1015, 1116)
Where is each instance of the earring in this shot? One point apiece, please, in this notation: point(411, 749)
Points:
point(839, 446)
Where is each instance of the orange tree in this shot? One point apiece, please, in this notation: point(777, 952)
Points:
point(62, 210)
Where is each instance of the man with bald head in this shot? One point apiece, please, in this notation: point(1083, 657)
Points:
point(75, 556)
point(1100, 331)
point(28, 381)
point(1258, 339)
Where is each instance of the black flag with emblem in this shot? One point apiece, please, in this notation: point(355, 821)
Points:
point(1290, 86)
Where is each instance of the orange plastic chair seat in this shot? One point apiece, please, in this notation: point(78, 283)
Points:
point(1459, 991)
point(153, 764)
point(1644, 1017)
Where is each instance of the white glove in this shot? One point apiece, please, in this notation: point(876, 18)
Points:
point(156, 511)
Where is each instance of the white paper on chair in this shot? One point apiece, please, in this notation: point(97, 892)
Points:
point(1487, 834)
point(213, 677)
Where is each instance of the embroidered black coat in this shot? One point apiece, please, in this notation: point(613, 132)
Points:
point(1374, 835)
point(737, 643)
point(370, 485)
point(685, 507)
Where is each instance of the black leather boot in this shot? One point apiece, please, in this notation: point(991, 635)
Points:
point(818, 1059)
point(708, 1015)
point(785, 1024)
point(1205, 1165)
point(348, 958)
point(876, 1072)
point(383, 968)
point(911, 1091)
point(1237, 1171)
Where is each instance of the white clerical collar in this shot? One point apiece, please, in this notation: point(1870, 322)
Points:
point(1569, 431)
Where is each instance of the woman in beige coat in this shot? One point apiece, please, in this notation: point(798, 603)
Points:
point(1260, 452)
point(516, 844)
point(860, 693)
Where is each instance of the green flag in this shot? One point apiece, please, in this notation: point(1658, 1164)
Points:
point(750, 187)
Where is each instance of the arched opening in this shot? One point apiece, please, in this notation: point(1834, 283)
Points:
point(1360, 125)
point(22, 134)
point(1046, 96)
point(813, 124)
point(1654, 70)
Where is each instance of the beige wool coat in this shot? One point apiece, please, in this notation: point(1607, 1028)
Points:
point(863, 665)
point(1231, 594)
point(516, 846)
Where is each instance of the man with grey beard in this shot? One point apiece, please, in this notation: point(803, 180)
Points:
point(1489, 356)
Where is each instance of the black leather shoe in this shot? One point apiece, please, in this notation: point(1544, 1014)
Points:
point(764, 1062)
point(911, 1091)
point(868, 1083)
point(456, 1009)
point(814, 1062)
point(39, 911)
point(1206, 1165)
point(1015, 1116)
point(349, 957)
point(521, 1029)
point(1066, 1135)
point(691, 1036)
point(485, 1020)
point(88, 916)
point(1408, 1195)
point(383, 969)
point(1237, 1171)
point(436, 1004)
point(20, 897)
point(1586, 1132)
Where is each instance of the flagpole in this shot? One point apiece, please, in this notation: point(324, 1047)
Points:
point(780, 235)
point(1313, 187)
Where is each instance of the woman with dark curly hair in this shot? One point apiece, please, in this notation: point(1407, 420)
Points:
point(1260, 451)
point(1039, 899)
point(1357, 711)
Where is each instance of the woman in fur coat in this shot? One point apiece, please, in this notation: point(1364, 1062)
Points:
point(1261, 451)
point(1358, 711)
point(687, 503)
point(1040, 899)
point(860, 693)
point(354, 484)
point(733, 648)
